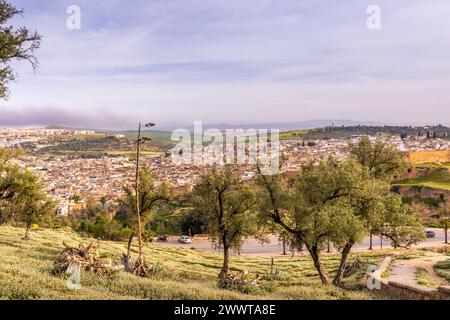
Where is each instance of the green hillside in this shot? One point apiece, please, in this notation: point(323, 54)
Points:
point(25, 273)
point(439, 179)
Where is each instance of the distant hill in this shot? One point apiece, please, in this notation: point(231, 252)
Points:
point(347, 131)
point(154, 134)
point(311, 129)
point(286, 126)
point(57, 127)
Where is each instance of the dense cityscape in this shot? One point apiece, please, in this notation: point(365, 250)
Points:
point(64, 176)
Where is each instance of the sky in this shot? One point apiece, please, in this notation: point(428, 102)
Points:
point(231, 61)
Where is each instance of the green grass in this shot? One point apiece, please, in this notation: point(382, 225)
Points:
point(293, 135)
point(437, 180)
point(442, 269)
point(433, 165)
point(424, 278)
point(153, 134)
point(25, 273)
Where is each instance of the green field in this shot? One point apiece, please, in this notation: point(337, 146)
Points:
point(153, 134)
point(25, 273)
point(293, 135)
point(438, 180)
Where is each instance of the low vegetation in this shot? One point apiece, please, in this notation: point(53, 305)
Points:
point(436, 179)
point(425, 279)
point(442, 269)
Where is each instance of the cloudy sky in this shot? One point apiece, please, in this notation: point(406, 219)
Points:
point(176, 61)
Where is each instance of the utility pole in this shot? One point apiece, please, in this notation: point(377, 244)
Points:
point(138, 214)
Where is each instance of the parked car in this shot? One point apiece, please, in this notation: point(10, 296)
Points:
point(430, 234)
point(185, 239)
point(162, 238)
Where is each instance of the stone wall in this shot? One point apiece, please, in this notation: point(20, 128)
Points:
point(405, 292)
point(402, 291)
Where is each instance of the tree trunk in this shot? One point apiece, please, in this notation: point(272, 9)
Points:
point(340, 273)
point(314, 252)
point(284, 246)
point(371, 241)
point(27, 233)
point(446, 234)
point(130, 240)
point(226, 260)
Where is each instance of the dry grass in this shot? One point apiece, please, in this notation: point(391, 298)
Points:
point(25, 273)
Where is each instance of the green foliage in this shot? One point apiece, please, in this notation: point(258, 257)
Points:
point(407, 200)
point(330, 201)
point(442, 269)
point(151, 198)
point(223, 202)
point(341, 202)
point(400, 223)
point(320, 202)
point(383, 161)
point(337, 132)
point(104, 228)
point(148, 235)
point(21, 197)
point(432, 202)
point(15, 44)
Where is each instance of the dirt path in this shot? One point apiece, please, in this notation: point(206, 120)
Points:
point(404, 271)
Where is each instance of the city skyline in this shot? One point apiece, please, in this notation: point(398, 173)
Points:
point(232, 62)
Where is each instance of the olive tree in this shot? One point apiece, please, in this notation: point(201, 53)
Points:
point(401, 224)
point(21, 196)
point(383, 161)
point(316, 206)
point(224, 203)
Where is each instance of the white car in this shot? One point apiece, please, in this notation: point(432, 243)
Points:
point(185, 239)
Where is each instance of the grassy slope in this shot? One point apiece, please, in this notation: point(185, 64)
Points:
point(433, 165)
point(437, 180)
point(25, 273)
point(442, 269)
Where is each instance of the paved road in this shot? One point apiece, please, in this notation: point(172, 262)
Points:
point(253, 247)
